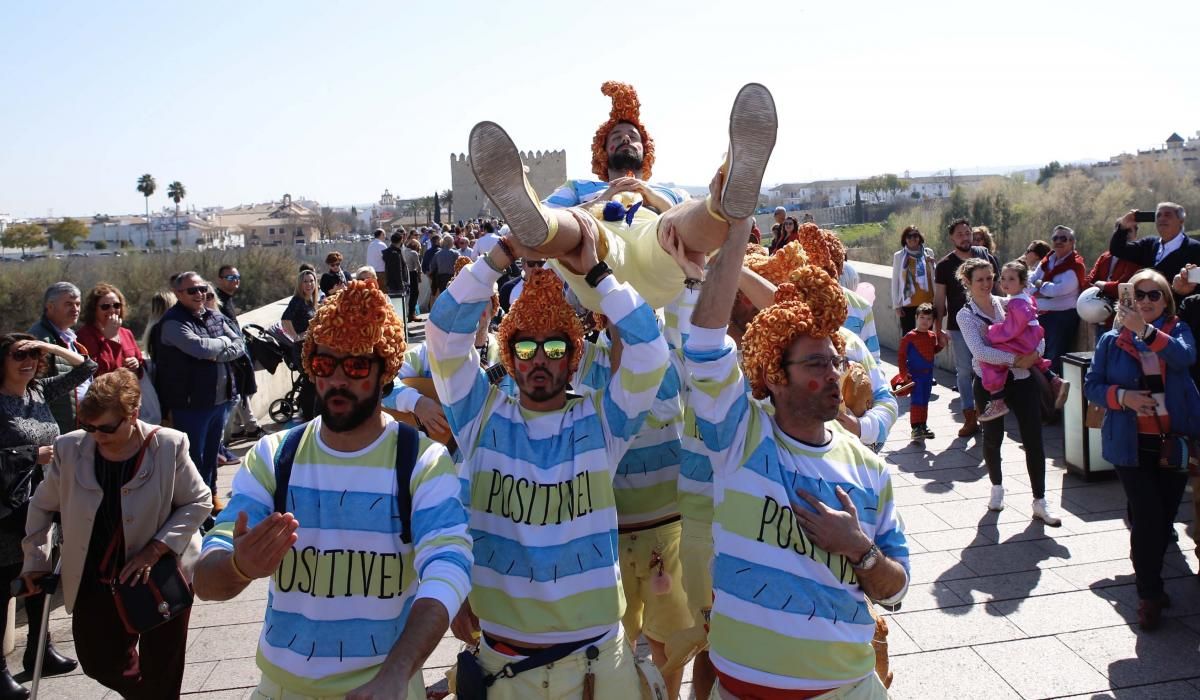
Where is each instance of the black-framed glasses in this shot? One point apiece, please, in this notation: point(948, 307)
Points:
point(555, 348)
point(106, 307)
point(1152, 295)
point(353, 366)
point(199, 289)
point(22, 355)
point(819, 363)
point(232, 278)
point(106, 429)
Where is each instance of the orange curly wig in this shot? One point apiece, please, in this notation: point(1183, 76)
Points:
point(359, 320)
point(812, 304)
point(777, 268)
point(824, 248)
point(541, 308)
point(625, 108)
point(459, 264)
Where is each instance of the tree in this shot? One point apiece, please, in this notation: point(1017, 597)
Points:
point(176, 192)
point(448, 200)
point(414, 207)
point(354, 217)
point(887, 182)
point(146, 185)
point(1048, 171)
point(69, 232)
point(437, 209)
point(23, 236)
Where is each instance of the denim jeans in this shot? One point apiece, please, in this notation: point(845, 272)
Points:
point(1061, 328)
point(963, 374)
point(204, 427)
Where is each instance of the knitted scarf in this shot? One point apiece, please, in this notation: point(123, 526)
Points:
point(1154, 369)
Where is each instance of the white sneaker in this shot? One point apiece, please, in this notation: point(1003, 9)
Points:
point(996, 502)
point(1041, 511)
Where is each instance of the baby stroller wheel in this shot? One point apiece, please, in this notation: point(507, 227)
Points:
point(282, 410)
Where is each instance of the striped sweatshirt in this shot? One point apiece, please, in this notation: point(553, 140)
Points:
point(341, 596)
point(416, 365)
point(696, 474)
point(861, 321)
point(539, 484)
point(786, 614)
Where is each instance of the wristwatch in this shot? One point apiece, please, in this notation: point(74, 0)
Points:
point(597, 273)
point(869, 560)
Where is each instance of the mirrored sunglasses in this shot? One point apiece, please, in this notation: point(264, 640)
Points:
point(555, 349)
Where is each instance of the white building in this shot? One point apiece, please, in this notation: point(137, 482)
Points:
point(1175, 150)
point(840, 193)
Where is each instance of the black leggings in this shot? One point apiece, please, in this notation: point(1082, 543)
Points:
point(1154, 494)
point(1024, 401)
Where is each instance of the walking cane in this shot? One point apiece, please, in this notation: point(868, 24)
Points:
point(48, 584)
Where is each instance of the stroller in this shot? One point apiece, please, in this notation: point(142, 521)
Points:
point(269, 348)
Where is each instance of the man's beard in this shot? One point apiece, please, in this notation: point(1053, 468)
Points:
point(625, 159)
point(965, 247)
point(360, 410)
point(546, 392)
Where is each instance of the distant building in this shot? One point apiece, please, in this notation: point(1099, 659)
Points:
point(840, 193)
point(1176, 150)
point(547, 170)
point(274, 223)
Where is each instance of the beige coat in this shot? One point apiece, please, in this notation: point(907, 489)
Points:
point(166, 500)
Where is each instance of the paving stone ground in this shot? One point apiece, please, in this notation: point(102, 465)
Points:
point(999, 606)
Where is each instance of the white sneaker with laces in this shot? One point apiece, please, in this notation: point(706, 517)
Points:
point(996, 502)
point(1041, 511)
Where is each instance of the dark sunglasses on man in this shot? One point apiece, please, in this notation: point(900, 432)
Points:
point(199, 289)
point(232, 278)
point(353, 366)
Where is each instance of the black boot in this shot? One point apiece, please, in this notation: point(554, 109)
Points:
point(53, 663)
point(9, 688)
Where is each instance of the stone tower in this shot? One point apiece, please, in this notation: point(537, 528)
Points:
point(547, 170)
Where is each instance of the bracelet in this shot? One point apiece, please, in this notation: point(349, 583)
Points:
point(504, 245)
point(237, 569)
point(692, 283)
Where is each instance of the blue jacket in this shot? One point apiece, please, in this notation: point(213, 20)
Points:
point(1113, 368)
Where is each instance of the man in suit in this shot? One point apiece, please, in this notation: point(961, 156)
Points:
point(1167, 252)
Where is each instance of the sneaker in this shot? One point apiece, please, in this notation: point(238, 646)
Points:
point(1041, 511)
point(996, 501)
point(928, 433)
point(918, 433)
point(224, 461)
point(496, 164)
point(1061, 390)
point(753, 124)
point(996, 408)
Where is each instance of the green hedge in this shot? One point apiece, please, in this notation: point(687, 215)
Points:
point(267, 273)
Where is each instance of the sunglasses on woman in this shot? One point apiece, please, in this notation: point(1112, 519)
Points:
point(555, 349)
point(22, 355)
point(106, 429)
point(108, 307)
point(353, 366)
point(1152, 295)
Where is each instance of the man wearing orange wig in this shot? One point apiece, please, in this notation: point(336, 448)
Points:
point(539, 471)
point(805, 527)
point(357, 603)
point(631, 241)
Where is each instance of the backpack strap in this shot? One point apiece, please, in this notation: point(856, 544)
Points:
point(407, 440)
point(285, 455)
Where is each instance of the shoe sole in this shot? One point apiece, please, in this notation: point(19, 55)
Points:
point(498, 169)
point(995, 509)
point(753, 125)
point(1057, 523)
point(982, 419)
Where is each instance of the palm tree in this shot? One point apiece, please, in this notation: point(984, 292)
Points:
point(146, 185)
point(176, 192)
point(448, 200)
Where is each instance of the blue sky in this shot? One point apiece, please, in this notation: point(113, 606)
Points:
point(336, 101)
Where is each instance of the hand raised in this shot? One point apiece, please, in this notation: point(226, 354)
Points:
point(260, 549)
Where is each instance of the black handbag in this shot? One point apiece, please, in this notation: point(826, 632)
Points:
point(18, 469)
point(166, 595)
point(1178, 451)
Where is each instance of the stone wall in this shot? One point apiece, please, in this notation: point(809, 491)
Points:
point(547, 170)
